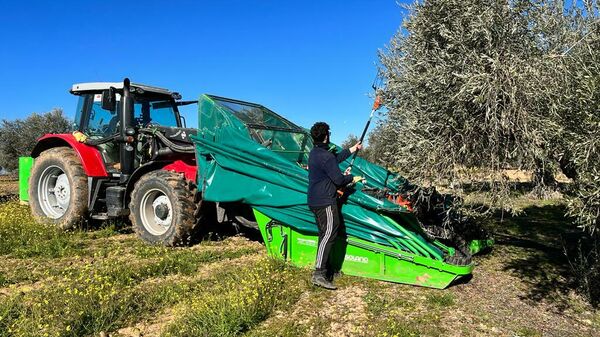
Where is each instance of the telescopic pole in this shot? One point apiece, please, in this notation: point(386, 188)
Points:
point(376, 106)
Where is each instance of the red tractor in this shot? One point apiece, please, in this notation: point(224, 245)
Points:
point(130, 156)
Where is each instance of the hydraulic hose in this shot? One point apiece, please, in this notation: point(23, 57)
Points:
point(171, 145)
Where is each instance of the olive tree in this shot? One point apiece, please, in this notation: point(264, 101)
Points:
point(365, 151)
point(18, 137)
point(577, 113)
point(473, 87)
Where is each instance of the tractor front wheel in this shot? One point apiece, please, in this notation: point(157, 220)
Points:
point(58, 188)
point(162, 208)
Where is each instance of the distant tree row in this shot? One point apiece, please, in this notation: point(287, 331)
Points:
point(18, 137)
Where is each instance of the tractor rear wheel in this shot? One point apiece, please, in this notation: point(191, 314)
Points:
point(162, 208)
point(58, 189)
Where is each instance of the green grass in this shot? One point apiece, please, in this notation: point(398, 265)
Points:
point(84, 282)
point(240, 301)
point(21, 237)
point(398, 329)
point(3, 280)
point(398, 312)
point(87, 281)
point(527, 332)
point(280, 329)
point(442, 300)
point(157, 260)
point(105, 294)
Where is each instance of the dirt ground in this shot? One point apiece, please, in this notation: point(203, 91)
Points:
point(9, 187)
point(523, 287)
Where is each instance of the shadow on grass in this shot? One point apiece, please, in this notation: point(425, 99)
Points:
point(534, 247)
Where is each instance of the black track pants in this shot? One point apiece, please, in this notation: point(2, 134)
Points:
point(328, 221)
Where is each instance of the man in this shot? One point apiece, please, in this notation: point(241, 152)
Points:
point(324, 179)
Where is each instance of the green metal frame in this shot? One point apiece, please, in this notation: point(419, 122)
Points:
point(477, 246)
point(25, 164)
point(358, 257)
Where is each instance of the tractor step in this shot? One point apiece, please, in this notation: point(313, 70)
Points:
point(100, 216)
point(115, 196)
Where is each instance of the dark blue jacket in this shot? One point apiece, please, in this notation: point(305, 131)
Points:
point(324, 175)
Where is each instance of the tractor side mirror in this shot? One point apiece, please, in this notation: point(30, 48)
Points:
point(109, 99)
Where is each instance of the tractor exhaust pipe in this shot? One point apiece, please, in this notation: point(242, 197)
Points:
point(127, 133)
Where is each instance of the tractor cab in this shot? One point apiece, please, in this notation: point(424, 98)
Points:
point(151, 105)
point(116, 117)
point(99, 114)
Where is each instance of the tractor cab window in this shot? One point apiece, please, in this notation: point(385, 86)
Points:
point(156, 112)
point(102, 122)
point(79, 112)
point(94, 121)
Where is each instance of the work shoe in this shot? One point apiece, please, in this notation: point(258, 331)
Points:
point(320, 280)
point(331, 275)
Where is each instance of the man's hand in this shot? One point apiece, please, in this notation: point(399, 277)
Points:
point(357, 179)
point(356, 147)
point(348, 171)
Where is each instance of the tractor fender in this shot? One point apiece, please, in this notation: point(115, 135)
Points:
point(90, 157)
point(188, 169)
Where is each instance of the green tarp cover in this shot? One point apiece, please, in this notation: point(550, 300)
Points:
point(233, 166)
point(376, 175)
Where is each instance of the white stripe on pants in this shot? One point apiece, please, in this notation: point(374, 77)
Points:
point(326, 237)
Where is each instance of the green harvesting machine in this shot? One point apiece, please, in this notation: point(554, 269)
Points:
point(248, 153)
point(132, 155)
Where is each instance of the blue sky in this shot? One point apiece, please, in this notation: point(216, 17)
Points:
point(307, 60)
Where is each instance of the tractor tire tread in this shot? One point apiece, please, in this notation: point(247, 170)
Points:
point(187, 211)
point(78, 208)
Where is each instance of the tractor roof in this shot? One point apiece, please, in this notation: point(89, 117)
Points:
point(97, 86)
